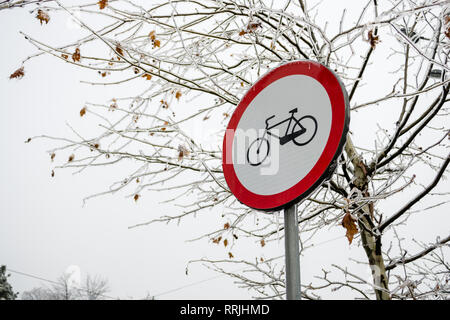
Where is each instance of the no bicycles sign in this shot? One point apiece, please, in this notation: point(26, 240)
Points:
point(285, 135)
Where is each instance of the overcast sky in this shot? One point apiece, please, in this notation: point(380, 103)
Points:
point(43, 227)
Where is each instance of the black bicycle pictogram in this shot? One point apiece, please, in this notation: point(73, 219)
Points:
point(302, 132)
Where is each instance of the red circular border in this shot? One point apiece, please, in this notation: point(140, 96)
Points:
point(338, 109)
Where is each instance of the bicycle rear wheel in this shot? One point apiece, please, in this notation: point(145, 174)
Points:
point(309, 123)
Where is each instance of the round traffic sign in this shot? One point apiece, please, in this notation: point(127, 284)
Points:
point(285, 135)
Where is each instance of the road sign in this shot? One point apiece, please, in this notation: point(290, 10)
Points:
point(285, 135)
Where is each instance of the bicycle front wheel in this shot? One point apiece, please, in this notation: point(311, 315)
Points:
point(258, 151)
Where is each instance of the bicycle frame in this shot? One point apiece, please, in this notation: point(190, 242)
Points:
point(286, 134)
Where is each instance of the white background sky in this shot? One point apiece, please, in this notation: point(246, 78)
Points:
point(44, 228)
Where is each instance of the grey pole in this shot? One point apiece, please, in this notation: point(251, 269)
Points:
point(291, 239)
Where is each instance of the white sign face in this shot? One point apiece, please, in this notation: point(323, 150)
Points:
point(288, 105)
point(283, 136)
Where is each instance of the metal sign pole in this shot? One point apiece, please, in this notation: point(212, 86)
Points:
point(291, 239)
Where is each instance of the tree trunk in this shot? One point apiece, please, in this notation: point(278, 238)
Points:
point(372, 247)
point(371, 243)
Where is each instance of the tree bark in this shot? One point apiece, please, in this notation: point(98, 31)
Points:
point(371, 242)
point(372, 247)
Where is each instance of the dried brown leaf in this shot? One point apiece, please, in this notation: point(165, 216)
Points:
point(114, 105)
point(103, 4)
point(349, 224)
point(165, 104)
point(18, 74)
point(76, 56)
point(42, 16)
point(182, 151)
point(217, 240)
point(252, 26)
point(373, 39)
point(119, 50)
